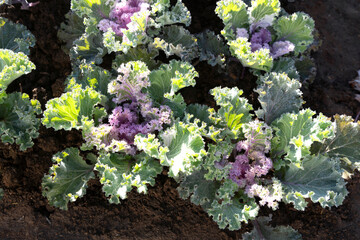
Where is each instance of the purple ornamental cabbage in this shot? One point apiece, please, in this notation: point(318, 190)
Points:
point(120, 15)
point(128, 86)
point(127, 121)
point(280, 48)
point(135, 112)
point(251, 163)
point(261, 40)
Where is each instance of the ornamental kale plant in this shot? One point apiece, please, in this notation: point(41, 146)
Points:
point(251, 163)
point(136, 30)
point(18, 122)
point(230, 159)
point(258, 35)
point(136, 101)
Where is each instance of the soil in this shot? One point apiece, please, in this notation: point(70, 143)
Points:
point(161, 214)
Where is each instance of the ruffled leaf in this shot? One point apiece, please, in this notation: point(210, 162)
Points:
point(120, 173)
point(169, 79)
point(73, 109)
point(216, 161)
point(139, 53)
point(18, 122)
point(91, 7)
point(70, 30)
point(260, 59)
point(278, 94)
point(264, 231)
point(264, 10)
point(89, 75)
point(178, 14)
point(212, 48)
point(176, 40)
point(345, 144)
point(286, 65)
point(295, 133)
point(12, 66)
point(15, 37)
point(181, 148)
point(320, 180)
point(234, 15)
point(200, 115)
point(233, 112)
point(231, 214)
point(201, 191)
point(67, 178)
point(132, 37)
point(88, 47)
point(296, 28)
point(306, 68)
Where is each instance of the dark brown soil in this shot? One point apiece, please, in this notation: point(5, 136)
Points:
point(161, 214)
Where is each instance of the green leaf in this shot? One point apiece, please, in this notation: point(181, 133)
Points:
point(178, 14)
point(158, 6)
point(216, 161)
point(306, 67)
point(278, 94)
point(119, 173)
point(91, 7)
point(294, 135)
point(234, 110)
point(70, 30)
point(286, 65)
point(15, 37)
point(296, 28)
point(239, 209)
point(260, 59)
point(176, 40)
point(226, 192)
point(199, 111)
point(264, 231)
point(169, 79)
point(1, 193)
point(320, 180)
point(101, 138)
point(186, 148)
point(201, 191)
point(181, 148)
point(345, 144)
point(140, 53)
point(264, 9)
point(234, 15)
point(18, 120)
point(73, 109)
point(212, 48)
point(12, 66)
point(89, 75)
point(88, 48)
point(67, 178)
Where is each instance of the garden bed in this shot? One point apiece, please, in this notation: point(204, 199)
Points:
point(162, 214)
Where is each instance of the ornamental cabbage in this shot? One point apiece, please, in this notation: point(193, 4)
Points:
point(259, 34)
point(120, 15)
point(18, 122)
